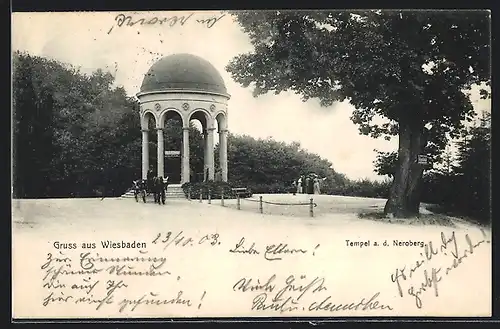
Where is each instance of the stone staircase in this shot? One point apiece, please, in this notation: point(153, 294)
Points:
point(174, 191)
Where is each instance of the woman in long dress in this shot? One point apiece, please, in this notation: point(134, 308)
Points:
point(316, 186)
point(299, 185)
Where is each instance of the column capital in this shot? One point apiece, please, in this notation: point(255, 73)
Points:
point(186, 128)
point(211, 129)
point(144, 130)
point(159, 129)
point(223, 131)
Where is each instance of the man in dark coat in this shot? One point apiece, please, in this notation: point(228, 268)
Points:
point(154, 188)
point(149, 178)
point(294, 187)
point(161, 190)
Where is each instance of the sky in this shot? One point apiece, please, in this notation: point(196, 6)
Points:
point(82, 39)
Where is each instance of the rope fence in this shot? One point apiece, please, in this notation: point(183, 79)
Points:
point(222, 197)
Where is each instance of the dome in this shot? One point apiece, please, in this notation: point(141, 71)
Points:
point(183, 72)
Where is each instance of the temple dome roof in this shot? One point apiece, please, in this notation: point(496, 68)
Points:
point(183, 72)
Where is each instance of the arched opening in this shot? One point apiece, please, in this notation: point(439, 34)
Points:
point(200, 122)
point(197, 135)
point(172, 146)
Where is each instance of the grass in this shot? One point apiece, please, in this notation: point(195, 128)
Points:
point(422, 219)
point(449, 212)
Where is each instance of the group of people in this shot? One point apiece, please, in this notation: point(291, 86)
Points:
point(156, 185)
point(309, 184)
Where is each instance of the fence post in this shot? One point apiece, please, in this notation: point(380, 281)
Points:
point(260, 205)
point(311, 207)
point(201, 195)
point(209, 197)
point(189, 193)
point(238, 201)
point(222, 197)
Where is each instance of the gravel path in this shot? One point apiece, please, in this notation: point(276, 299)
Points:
point(351, 272)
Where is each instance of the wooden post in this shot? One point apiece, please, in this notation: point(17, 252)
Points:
point(189, 193)
point(201, 196)
point(209, 197)
point(260, 205)
point(238, 201)
point(222, 197)
point(311, 207)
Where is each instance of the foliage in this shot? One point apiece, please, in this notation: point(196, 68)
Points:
point(408, 67)
point(374, 59)
point(65, 130)
point(360, 188)
point(466, 188)
point(474, 168)
point(386, 163)
point(270, 166)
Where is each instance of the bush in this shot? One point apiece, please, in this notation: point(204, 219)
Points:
point(457, 196)
point(216, 190)
point(270, 188)
point(360, 188)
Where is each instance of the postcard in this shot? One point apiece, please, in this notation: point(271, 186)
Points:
point(285, 163)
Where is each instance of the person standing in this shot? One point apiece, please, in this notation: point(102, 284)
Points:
point(136, 189)
point(150, 175)
point(316, 185)
point(299, 185)
point(161, 190)
point(307, 185)
point(154, 188)
point(150, 181)
point(294, 187)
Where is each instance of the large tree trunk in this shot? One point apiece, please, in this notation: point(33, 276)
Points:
point(404, 197)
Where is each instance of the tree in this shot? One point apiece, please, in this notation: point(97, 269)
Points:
point(23, 108)
point(72, 132)
point(474, 168)
point(410, 68)
point(448, 165)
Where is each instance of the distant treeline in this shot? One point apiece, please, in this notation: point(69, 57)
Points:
point(78, 135)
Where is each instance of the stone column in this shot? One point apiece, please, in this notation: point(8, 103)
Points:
point(223, 153)
point(205, 154)
point(145, 153)
point(161, 153)
point(185, 155)
point(210, 157)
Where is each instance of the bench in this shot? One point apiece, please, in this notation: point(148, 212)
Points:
point(242, 191)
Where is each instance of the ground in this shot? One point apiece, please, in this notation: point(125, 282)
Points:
point(351, 272)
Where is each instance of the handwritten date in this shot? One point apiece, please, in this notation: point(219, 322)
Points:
point(180, 240)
